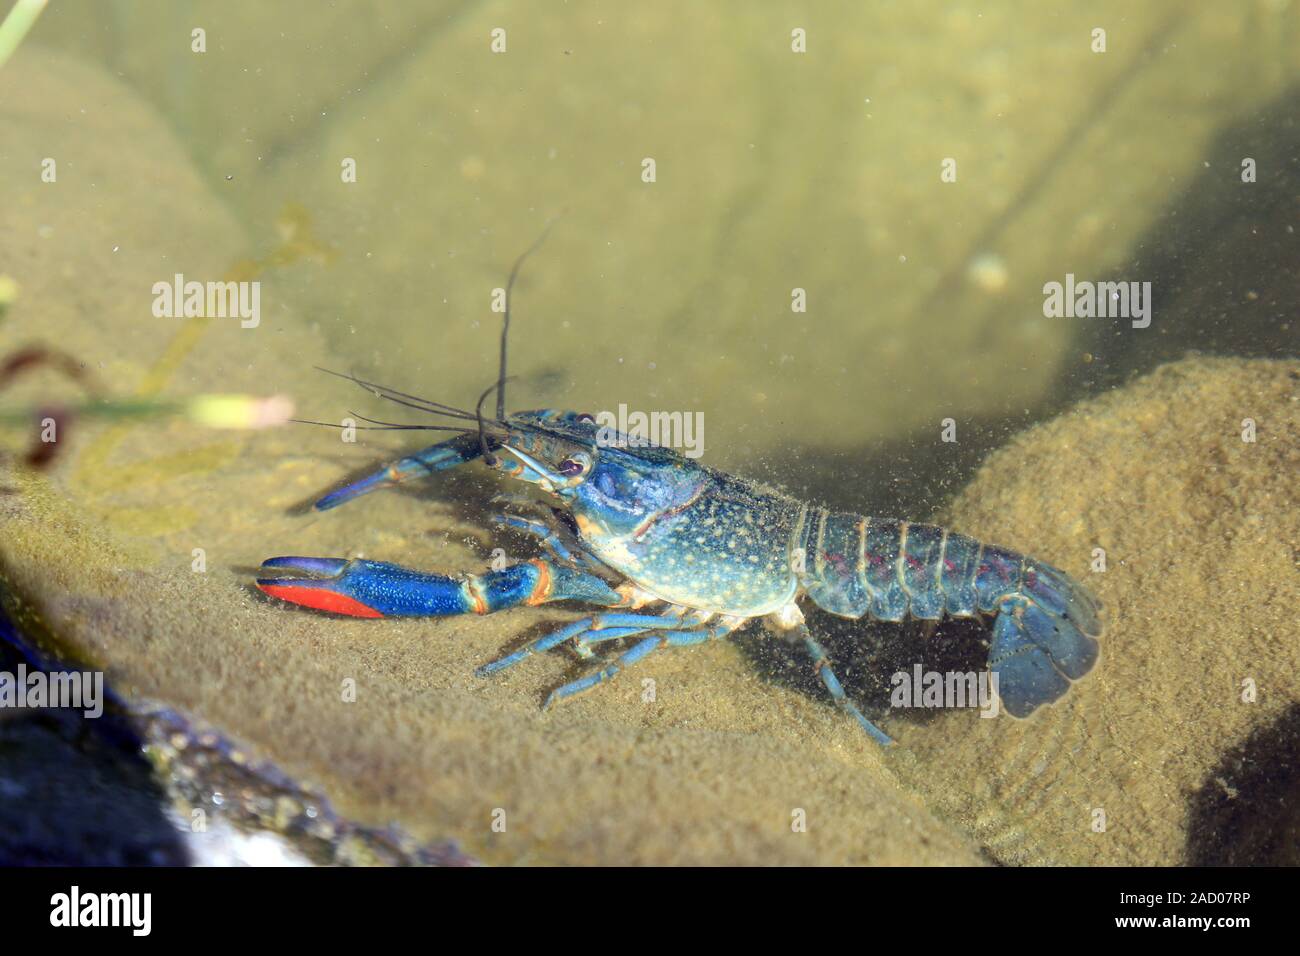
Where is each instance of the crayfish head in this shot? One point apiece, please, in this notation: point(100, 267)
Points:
point(554, 450)
point(614, 485)
point(629, 489)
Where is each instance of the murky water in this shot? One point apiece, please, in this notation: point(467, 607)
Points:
point(828, 235)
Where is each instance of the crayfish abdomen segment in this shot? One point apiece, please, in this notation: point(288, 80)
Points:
point(1046, 626)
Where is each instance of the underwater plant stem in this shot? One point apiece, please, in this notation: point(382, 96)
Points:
point(16, 25)
point(214, 411)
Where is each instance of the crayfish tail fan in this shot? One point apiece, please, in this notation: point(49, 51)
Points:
point(1044, 638)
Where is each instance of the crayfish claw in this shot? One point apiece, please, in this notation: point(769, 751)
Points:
point(316, 583)
point(307, 567)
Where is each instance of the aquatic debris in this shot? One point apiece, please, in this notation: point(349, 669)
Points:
point(8, 293)
point(53, 417)
point(52, 420)
point(15, 26)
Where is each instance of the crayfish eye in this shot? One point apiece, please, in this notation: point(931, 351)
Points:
point(574, 466)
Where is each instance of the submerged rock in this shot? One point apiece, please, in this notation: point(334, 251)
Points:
point(1199, 532)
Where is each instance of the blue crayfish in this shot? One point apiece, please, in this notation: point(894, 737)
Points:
point(684, 554)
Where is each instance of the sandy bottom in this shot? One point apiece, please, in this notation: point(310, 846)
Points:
point(1199, 529)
